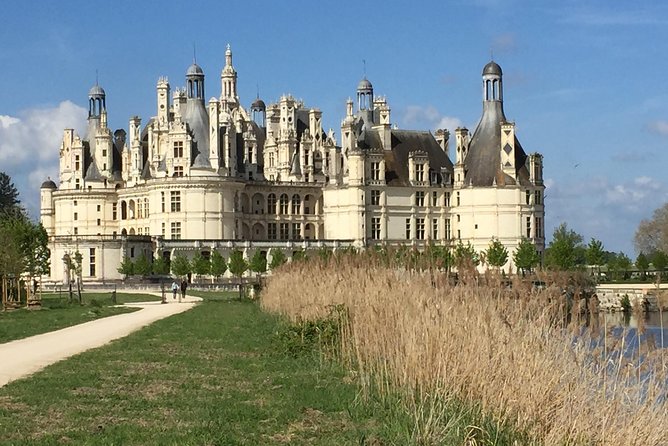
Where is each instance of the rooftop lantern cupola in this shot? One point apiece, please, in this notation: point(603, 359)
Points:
point(492, 83)
point(258, 112)
point(228, 77)
point(364, 95)
point(195, 82)
point(96, 101)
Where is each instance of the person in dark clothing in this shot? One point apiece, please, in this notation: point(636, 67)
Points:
point(184, 285)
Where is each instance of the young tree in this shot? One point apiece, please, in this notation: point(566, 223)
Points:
point(142, 266)
point(526, 257)
point(238, 267)
point(9, 196)
point(642, 263)
point(127, 267)
point(201, 265)
point(465, 256)
point(258, 264)
point(277, 259)
point(160, 266)
point(566, 250)
point(218, 264)
point(298, 255)
point(624, 264)
point(496, 254)
point(595, 254)
point(181, 266)
point(78, 269)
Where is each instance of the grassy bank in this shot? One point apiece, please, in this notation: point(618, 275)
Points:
point(507, 352)
point(222, 373)
point(56, 313)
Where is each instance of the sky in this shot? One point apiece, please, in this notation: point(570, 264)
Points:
point(584, 81)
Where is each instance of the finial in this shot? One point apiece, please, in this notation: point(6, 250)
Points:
point(229, 48)
point(96, 75)
point(257, 88)
point(364, 67)
point(194, 53)
point(491, 54)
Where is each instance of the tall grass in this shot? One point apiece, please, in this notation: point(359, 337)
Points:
point(507, 352)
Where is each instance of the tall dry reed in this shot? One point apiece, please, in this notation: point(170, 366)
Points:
point(507, 352)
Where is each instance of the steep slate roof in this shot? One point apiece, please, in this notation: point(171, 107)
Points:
point(198, 123)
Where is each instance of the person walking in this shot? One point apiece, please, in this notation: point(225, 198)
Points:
point(175, 289)
point(184, 285)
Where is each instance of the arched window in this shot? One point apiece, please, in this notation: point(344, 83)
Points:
point(271, 204)
point(296, 204)
point(124, 210)
point(283, 204)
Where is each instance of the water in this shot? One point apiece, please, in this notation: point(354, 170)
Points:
point(651, 323)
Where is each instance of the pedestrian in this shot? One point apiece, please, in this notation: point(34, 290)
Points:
point(184, 285)
point(175, 289)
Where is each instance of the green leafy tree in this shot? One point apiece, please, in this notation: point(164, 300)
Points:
point(181, 267)
point(325, 254)
point(642, 263)
point(439, 257)
point(465, 256)
point(595, 255)
point(566, 250)
point(238, 266)
point(277, 259)
point(160, 266)
point(258, 264)
point(218, 264)
point(659, 261)
point(526, 257)
point(201, 265)
point(78, 269)
point(624, 263)
point(9, 195)
point(298, 255)
point(127, 267)
point(142, 266)
point(496, 254)
point(12, 261)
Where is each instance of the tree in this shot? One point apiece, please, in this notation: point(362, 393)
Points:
point(659, 261)
point(142, 266)
point(258, 264)
point(78, 269)
point(496, 254)
point(127, 267)
point(652, 233)
point(624, 264)
point(160, 266)
point(642, 263)
point(181, 266)
point(201, 265)
point(298, 255)
point(218, 264)
point(238, 267)
point(525, 256)
point(595, 254)
point(465, 256)
point(9, 196)
point(565, 251)
point(277, 259)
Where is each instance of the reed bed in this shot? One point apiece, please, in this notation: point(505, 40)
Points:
point(507, 352)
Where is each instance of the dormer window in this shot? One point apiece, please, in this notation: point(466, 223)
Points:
point(419, 172)
point(375, 171)
point(178, 149)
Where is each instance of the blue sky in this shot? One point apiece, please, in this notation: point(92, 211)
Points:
point(584, 80)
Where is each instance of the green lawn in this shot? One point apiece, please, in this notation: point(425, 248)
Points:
point(57, 313)
point(211, 376)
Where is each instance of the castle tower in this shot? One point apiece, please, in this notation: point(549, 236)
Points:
point(195, 82)
point(163, 101)
point(259, 112)
point(228, 78)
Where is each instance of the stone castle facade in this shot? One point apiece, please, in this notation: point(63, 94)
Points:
point(213, 175)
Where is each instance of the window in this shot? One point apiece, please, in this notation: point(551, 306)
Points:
point(176, 230)
point(272, 231)
point(375, 170)
point(178, 149)
point(114, 211)
point(76, 163)
point(528, 197)
point(434, 198)
point(296, 204)
point(283, 203)
point(528, 227)
point(99, 222)
point(459, 218)
point(178, 171)
point(104, 152)
point(419, 172)
point(284, 231)
point(76, 231)
point(419, 228)
point(140, 231)
point(537, 197)
point(176, 201)
point(145, 207)
point(132, 252)
point(76, 183)
point(271, 204)
point(434, 229)
point(375, 228)
point(296, 231)
point(458, 201)
point(419, 198)
point(447, 229)
point(75, 202)
point(408, 229)
point(162, 228)
point(91, 261)
point(539, 227)
point(98, 208)
point(162, 200)
point(76, 215)
point(447, 199)
point(146, 231)
point(459, 234)
point(375, 197)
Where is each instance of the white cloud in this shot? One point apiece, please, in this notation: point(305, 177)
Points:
point(29, 145)
point(416, 116)
point(659, 126)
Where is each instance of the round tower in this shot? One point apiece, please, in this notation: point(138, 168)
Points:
point(492, 83)
point(46, 205)
point(364, 95)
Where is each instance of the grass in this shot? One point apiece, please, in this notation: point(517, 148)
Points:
point(57, 313)
point(215, 375)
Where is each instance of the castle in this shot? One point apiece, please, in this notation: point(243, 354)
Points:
point(202, 176)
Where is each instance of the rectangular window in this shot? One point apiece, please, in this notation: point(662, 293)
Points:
point(419, 228)
point(178, 149)
point(408, 229)
point(162, 228)
point(537, 198)
point(91, 261)
point(459, 218)
point(434, 198)
point(176, 230)
point(528, 227)
point(447, 229)
point(375, 171)
point(76, 183)
point(140, 231)
point(162, 200)
point(458, 201)
point(375, 198)
point(76, 215)
point(76, 231)
point(175, 197)
point(447, 199)
point(539, 227)
point(104, 152)
point(459, 234)
point(76, 162)
point(114, 211)
point(99, 222)
point(375, 228)
point(284, 231)
point(528, 197)
point(419, 198)
point(271, 231)
point(98, 208)
point(178, 171)
point(434, 229)
point(296, 231)
point(419, 172)
point(75, 202)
